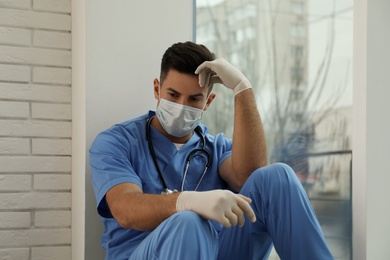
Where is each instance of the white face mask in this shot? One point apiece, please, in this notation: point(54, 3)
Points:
point(176, 119)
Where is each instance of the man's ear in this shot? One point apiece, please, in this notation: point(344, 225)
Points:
point(209, 100)
point(156, 88)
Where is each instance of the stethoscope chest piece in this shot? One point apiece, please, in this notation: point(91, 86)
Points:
point(168, 191)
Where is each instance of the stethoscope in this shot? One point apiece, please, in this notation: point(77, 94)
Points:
point(189, 157)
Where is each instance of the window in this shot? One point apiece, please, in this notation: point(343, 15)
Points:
point(297, 52)
point(297, 30)
point(244, 34)
point(311, 59)
point(297, 95)
point(206, 32)
point(297, 75)
point(297, 8)
point(241, 13)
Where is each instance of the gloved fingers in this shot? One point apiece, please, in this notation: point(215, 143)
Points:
point(241, 220)
point(215, 79)
point(246, 208)
point(226, 74)
point(247, 199)
point(204, 66)
point(240, 216)
point(232, 217)
point(225, 222)
point(204, 78)
point(208, 77)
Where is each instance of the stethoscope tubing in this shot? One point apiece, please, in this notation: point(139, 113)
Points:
point(189, 157)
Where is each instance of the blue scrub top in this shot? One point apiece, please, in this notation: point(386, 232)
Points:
point(121, 154)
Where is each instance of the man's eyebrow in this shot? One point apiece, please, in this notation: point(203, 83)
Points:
point(173, 90)
point(198, 95)
point(177, 92)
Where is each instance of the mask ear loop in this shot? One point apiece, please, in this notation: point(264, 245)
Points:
point(159, 92)
point(207, 98)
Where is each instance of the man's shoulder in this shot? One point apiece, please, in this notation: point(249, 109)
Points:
point(134, 124)
point(132, 129)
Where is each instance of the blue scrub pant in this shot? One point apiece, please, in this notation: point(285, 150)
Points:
point(285, 219)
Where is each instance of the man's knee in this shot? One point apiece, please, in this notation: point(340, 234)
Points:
point(194, 234)
point(187, 218)
point(191, 222)
point(184, 235)
point(278, 177)
point(276, 172)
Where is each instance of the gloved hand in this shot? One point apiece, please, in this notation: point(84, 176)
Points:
point(222, 206)
point(221, 71)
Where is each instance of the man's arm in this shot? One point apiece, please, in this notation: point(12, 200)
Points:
point(134, 209)
point(140, 211)
point(249, 150)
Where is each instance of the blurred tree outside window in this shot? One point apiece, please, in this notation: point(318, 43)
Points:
point(297, 54)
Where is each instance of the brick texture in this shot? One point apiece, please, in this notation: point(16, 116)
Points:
point(35, 129)
point(15, 253)
point(50, 253)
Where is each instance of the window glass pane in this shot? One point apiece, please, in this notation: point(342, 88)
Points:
point(297, 55)
point(242, 12)
point(298, 8)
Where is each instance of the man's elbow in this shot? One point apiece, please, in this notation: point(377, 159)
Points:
point(243, 174)
point(123, 220)
point(238, 181)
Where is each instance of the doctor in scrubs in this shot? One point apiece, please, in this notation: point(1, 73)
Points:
point(167, 189)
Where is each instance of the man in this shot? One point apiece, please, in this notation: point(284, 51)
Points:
point(166, 189)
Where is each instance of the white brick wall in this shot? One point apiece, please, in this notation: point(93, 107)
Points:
point(35, 129)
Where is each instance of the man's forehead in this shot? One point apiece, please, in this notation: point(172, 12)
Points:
point(183, 83)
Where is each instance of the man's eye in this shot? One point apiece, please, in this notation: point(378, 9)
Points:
point(172, 94)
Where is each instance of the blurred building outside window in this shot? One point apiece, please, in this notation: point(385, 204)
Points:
point(297, 54)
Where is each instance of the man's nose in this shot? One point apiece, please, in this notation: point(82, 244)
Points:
point(182, 101)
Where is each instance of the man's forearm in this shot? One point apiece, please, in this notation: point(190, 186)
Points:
point(150, 210)
point(249, 150)
point(141, 211)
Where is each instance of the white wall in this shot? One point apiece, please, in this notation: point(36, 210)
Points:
point(371, 143)
point(78, 127)
point(125, 41)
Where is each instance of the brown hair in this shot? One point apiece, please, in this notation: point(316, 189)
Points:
point(184, 57)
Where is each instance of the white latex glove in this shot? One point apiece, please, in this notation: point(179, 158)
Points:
point(221, 71)
point(222, 206)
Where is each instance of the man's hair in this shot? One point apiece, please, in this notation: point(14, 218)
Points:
point(184, 57)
